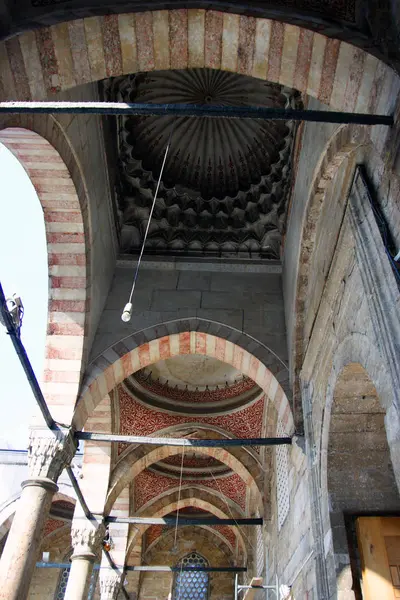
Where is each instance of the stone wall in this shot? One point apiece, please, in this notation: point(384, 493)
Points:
point(158, 586)
point(354, 327)
point(85, 134)
point(314, 140)
point(244, 297)
point(79, 141)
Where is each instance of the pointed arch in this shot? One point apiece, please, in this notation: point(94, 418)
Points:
point(126, 357)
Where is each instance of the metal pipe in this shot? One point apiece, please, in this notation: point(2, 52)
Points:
point(257, 587)
point(25, 362)
point(150, 568)
point(78, 493)
point(171, 521)
point(193, 443)
point(194, 110)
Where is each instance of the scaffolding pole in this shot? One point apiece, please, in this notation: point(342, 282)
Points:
point(194, 110)
point(150, 568)
point(172, 521)
point(186, 442)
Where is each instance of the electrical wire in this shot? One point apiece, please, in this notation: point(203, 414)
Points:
point(151, 212)
point(179, 497)
point(231, 513)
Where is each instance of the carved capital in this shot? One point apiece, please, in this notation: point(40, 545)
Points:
point(110, 584)
point(49, 452)
point(87, 539)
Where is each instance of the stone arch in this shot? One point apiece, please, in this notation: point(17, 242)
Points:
point(146, 455)
point(127, 357)
point(90, 49)
point(53, 527)
point(66, 245)
point(344, 142)
point(181, 504)
point(355, 441)
point(247, 456)
point(203, 542)
point(66, 492)
point(188, 492)
point(358, 349)
point(336, 21)
point(208, 532)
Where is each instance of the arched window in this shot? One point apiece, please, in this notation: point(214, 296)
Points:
point(62, 584)
point(191, 585)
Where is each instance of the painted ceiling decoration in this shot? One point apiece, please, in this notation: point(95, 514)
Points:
point(225, 185)
point(193, 384)
point(138, 419)
point(149, 484)
point(154, 532)
point(195, 466)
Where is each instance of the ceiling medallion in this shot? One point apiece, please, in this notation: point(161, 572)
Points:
point(225, 185)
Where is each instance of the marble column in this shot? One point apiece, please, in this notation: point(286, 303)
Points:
point(87, 537)
point(110, 583)
point(48, 454)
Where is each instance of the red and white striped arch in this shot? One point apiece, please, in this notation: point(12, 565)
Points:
point(34, 65)
point(189, 342)
point(67, 266)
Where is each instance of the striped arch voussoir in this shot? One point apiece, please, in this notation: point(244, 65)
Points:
point(102, 381)
point(86, 50)
point(67, 266)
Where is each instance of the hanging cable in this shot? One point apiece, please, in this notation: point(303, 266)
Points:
point(179, 497)
point(176, 522)
point(127, 312)
point(231, 513)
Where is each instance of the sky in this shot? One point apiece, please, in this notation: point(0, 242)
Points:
point(23, 270)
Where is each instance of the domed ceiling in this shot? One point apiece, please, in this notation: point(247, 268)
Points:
point(193, 372)
point(225, 185)
point(192, 384)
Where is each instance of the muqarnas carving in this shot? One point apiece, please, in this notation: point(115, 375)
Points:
point(226, 182)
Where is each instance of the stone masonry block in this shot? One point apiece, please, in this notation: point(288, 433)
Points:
point(267, 283)
point(172, 300)
point(190, 280)
point(230, 317)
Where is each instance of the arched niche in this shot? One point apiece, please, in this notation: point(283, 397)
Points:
point(360, 477)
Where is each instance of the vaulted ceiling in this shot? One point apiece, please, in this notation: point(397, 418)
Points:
point(190, 396)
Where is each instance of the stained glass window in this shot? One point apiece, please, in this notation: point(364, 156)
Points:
point(191, 586)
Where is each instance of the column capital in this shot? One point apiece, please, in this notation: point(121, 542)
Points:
point(87, 537)
point(110, 583)
point(49, 452)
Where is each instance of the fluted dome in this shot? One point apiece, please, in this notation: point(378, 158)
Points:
point(225, 182)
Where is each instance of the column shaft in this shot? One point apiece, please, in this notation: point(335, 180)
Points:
point(79, 578)
point(20, 554)
point(86, 536)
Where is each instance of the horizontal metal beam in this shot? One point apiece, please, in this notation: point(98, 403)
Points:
point(256, 587)
point(194, 110)
point(193, 443)
point(150, 568)
point(173, 521)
